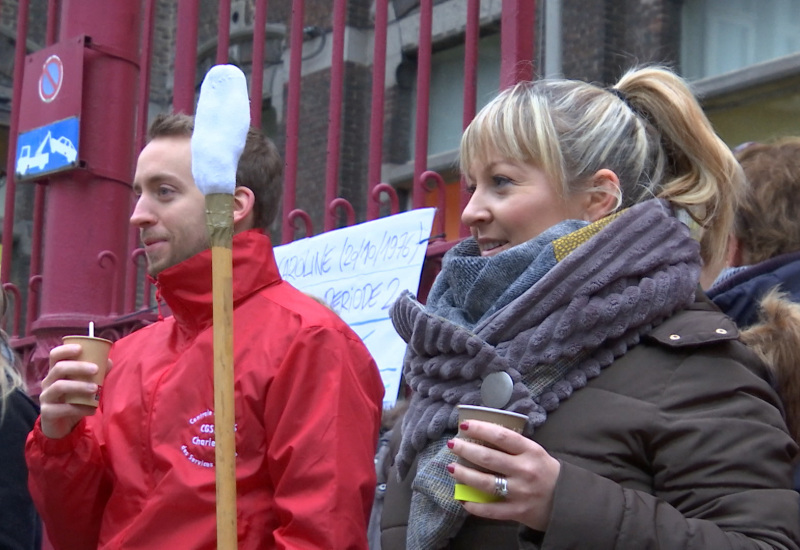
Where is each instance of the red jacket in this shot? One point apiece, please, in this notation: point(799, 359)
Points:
point(140, 473)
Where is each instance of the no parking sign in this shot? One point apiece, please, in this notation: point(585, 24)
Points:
point(52, 84)
point(51, 79)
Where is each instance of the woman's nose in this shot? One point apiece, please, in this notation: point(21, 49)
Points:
point(475, 212)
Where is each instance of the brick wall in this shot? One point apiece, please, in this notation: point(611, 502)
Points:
point(397, 125)
point(583, 35)
point(641, 32)
point(355, 137)
point(312, 146)
point(602, 38)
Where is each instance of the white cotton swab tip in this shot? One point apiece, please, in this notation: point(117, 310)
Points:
point(220, 129)
point(91, 329)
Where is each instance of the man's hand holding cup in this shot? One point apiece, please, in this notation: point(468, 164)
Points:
point(72, 387)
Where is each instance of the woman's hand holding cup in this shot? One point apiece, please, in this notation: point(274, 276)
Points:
point(528, 471)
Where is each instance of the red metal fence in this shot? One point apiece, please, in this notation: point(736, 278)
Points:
point(123, 37)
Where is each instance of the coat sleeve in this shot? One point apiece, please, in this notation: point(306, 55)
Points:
point(322, 421)
point(68, 483)
point(720, 457)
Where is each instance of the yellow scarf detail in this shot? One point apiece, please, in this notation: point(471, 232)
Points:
point(566, 244)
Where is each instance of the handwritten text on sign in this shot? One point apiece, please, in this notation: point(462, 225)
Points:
point(359, 271)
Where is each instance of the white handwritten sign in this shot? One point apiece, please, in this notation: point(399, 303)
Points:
point(359, 271)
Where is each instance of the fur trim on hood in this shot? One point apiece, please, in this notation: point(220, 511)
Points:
point(776, 339)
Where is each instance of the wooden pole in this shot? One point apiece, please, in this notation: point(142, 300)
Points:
point(219, 136)
point(219, 218)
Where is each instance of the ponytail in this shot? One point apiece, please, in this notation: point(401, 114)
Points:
point(700, 173)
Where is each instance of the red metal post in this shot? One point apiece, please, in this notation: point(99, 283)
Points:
point(36, 256)
point(518, 23)
point(471, 60)
point(293, 120)
point(185, 57)
point(52, 21)
point(470, 84)
point(335, 112)
point(223, 31)
point(143, 91)
point(423, 101)
point(376, 116)
point(143, 94)
point(87, 210)
point(39, 202)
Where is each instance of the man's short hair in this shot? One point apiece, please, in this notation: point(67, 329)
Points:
point(768, 219)
point(260, 167)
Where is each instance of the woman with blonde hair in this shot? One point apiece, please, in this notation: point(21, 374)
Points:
point(649, 424)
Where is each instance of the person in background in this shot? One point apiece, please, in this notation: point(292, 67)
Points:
point(759, 286)
point(20, 527)
point(140, 472)
point(576, 303)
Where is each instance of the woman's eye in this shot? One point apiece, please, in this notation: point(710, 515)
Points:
point(470, 188)
point(501, 180)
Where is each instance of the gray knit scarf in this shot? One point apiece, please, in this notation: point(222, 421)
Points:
point(551, 313)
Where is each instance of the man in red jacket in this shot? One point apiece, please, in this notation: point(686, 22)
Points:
point(139, 473)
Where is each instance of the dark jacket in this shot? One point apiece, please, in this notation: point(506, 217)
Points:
point(739, 295)
point(20, 528)
point(679, 444)
point(764, 300)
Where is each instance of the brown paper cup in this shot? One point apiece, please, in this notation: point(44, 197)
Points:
point(508, 419)
point(94, 350)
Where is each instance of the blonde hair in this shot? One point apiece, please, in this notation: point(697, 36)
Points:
point(648, 129)
point(10, 377)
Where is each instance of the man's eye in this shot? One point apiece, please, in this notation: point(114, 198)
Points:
point(165, 191)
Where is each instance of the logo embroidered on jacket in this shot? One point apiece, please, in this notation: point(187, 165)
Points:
point(200, 449)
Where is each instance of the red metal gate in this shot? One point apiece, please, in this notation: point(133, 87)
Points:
point(85, 261)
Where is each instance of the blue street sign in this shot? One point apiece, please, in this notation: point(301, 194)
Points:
point(47, 149)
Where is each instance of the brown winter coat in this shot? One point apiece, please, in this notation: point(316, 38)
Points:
point(679, 444)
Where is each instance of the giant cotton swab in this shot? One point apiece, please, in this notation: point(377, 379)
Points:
point(220, 131)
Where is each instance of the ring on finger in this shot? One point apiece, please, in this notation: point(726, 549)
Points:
point(500, 486)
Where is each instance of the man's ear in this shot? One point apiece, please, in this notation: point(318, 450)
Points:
point(243, 204)
point(602, 195)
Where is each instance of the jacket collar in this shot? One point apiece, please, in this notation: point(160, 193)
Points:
point(769, 266)
point(186, 287)
point(740, 294)
point(700, 323)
